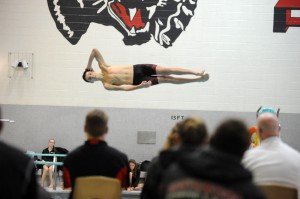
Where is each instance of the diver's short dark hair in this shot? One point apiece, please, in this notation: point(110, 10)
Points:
point(85, 71)
point(96, 123)
point(231, 137)
point(192, 131)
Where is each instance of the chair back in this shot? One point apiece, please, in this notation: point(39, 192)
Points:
point(279, 192)
point(97, 187)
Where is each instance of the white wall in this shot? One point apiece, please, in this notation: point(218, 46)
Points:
point(234, 41)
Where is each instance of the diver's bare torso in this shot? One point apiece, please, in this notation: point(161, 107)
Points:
point(117, 75)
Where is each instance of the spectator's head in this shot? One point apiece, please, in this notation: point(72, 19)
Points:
point(132, 164)
point(172, 139)
point(51, 143)
point(231, 137)
point(1, 123)
point(268, 125)
point(192, 131)
point(96, 123)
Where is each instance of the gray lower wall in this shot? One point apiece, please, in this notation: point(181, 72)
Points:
point(34, 125)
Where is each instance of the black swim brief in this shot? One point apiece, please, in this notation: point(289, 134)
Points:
point(144, 72)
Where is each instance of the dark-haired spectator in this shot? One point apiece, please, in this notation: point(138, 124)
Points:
point(214, 172)
point(273, 161)
point(95, 157)
point(133, 175)
point(220, 165)
point(192, 133)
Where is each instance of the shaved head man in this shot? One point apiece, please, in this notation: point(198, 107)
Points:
point(273, 162)
point(268, 125)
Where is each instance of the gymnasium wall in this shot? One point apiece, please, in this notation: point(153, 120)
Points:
point(249, 66)
point(35, 124)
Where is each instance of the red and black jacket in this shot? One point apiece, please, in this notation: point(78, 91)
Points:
point(95, 157)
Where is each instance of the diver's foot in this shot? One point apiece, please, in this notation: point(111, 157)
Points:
point(204, 77)
point(200, 72)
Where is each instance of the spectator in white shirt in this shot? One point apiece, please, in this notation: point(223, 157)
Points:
point(273, 162)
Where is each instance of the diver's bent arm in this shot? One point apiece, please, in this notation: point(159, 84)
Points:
point(95, 54)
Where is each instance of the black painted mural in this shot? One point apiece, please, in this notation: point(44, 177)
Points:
point(137, 20)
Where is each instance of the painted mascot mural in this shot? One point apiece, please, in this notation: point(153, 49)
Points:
point(137, 20)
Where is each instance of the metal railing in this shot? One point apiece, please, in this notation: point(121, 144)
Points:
point(54, 163)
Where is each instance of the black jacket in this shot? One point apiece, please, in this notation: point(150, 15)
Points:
point(48, 158)
point(135, 178)
point(17, 173)
point(174, 170)
point(95, 157)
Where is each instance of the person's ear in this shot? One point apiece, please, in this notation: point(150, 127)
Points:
point(259, 131)
point(279, 127)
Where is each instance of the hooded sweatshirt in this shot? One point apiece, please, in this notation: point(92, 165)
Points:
point(189, 172)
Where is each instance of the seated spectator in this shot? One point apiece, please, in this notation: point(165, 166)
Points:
point(192, 134)
point(172, 139)
point(95, 157)
point(273, 161)
point(227, 147)
point(133, 175)
point(214, 172)
point(48, 169)
point(17, 173)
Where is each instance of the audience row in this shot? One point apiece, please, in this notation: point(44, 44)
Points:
point(192, 163)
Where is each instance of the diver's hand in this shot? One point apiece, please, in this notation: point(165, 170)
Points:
point(146, 84)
